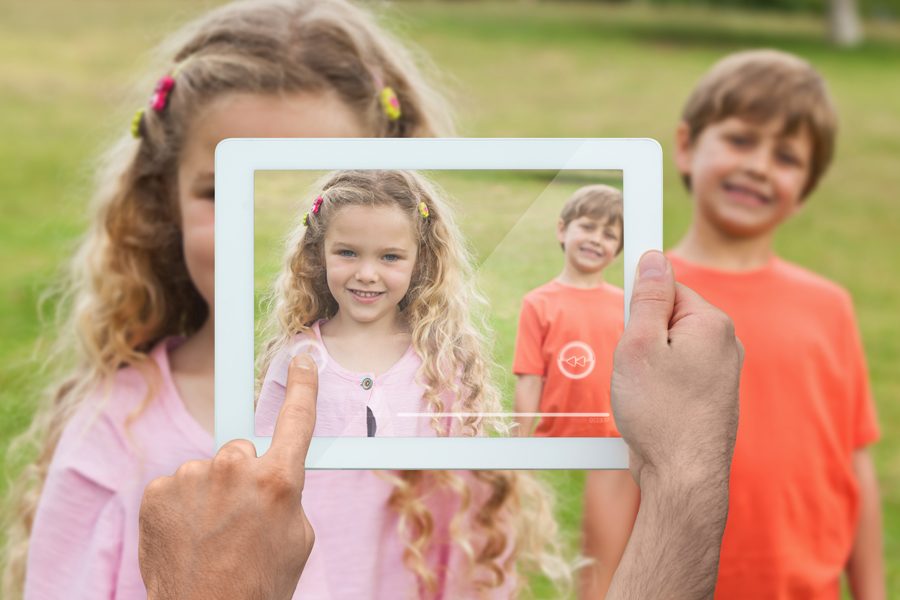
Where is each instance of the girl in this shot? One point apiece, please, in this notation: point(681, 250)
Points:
point(377, 285)
point(134, 396)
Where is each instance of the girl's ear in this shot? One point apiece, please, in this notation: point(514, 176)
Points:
point(684, 149)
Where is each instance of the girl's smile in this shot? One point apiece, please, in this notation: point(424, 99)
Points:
point(366, 297)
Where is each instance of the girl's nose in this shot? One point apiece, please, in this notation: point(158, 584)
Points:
point(366, 272)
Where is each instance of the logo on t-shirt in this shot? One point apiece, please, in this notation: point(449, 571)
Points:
point(576, 360)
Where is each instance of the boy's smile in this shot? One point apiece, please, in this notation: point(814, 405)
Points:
point(590, 244)
point(746, 177)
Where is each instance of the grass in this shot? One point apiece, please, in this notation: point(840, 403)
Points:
point(515, 69)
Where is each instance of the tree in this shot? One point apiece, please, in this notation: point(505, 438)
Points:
point(844, 24)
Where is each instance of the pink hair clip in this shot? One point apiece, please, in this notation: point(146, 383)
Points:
point(160, 97)
point(317, 205)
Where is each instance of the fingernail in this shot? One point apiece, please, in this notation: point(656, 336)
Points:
point(304, 361)
point(652, 266)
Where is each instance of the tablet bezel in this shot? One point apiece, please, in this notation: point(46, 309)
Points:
point(237, 161)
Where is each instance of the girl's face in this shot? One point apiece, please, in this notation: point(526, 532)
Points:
point(243, 115)
point(370, 253)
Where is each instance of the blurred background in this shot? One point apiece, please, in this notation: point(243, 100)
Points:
point(523, 69)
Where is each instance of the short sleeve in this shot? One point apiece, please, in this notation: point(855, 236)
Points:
point(75, 549)
point(528, 359)
point(865, 423)
point(272, 393)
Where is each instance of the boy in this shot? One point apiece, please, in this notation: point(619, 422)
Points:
point(756, 136)
point(568, 330)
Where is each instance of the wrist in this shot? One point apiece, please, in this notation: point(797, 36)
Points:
point(704, 487)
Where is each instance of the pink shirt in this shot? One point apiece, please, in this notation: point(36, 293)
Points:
point(358, 553)
point(85, 537)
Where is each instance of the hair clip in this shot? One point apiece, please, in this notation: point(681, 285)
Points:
point(136, 122)
point(306, 220)
point(160, 97)
point(390, 103)
point(317, 205)
point(423, 210)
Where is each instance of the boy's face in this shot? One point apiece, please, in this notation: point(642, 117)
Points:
point(590, 243)
point(746, 178)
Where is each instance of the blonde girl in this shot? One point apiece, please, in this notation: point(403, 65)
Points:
point(132, 395)
point(377, 286)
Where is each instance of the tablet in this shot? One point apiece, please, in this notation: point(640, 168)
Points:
point(493, 289)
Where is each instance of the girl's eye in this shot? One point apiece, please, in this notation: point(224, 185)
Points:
point(391, 257)
point(739, 140)
point(611, 236)
point(209, 194)
point(346, 253)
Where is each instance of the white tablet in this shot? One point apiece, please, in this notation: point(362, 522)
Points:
point(487, 271)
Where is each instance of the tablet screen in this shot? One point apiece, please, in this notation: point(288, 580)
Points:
point(441, 303)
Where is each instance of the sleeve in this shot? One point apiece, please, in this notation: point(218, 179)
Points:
point(75, 550)
point(272, 393)
point(865, 423)
point(528, 359)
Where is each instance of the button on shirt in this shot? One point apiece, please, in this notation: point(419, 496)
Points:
point(344, 395)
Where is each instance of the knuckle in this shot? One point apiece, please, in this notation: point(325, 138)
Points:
point(722, 325)
point(192, 469)
point(650, 294)
point(298, 412)
point(275, 484)
point(228, 459)
point(154, 492)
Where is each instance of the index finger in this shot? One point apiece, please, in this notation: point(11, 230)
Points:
point(297, 418)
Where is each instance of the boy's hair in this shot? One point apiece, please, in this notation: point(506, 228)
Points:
point(761, 85)
point(597, 202)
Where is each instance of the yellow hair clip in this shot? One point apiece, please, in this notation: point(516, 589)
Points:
point(423, 210)
point(390, 103)
point(136, 123)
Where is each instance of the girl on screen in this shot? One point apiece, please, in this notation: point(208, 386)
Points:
point(129, 393)
point(378, 287)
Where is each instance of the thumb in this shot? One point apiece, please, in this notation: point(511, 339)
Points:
point(652, 299)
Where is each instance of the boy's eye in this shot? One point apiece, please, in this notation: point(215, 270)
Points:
point(739, 140)
point(208, 194)
point(611, 235)
point(788, 158)
point(588, 226)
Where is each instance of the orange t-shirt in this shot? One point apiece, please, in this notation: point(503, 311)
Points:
point(805, 408)
point(568, 335)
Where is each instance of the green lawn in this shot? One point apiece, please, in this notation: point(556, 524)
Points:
point(514, 69)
